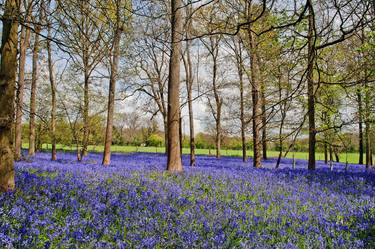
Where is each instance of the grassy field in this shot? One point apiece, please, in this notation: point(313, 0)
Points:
point(351, 157)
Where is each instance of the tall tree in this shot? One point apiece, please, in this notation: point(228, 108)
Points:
point(189, 82)
point(114, 61)
point(24, 41)
point(310, 85)
point(213, 47)
point(174, 163)
point(256, 90)
point(360, 125)
point(34, 81)
point(81, 26)
point(53, 87)
point(8, 69)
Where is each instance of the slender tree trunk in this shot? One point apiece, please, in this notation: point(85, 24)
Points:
point(360, 124)
point(25, 36)
point(325, 153)
point(174, 163)
point(218, 100)
point(264, 123)
point(310, 88)
point(242, 113)
point(111, 97)
point(191, 127)
point(367, 129)
point(280, 142)
point(189, 88)
point(330, 153)
point(367, 107)
point(257, 105)
point(283, 116)
point(8, 69)
point(239, 60)
point(53, 96)
point(85, 139)
point(34, 79)
point(218, 130)
point(180, 132)
point(165, 122)
point(337, 155)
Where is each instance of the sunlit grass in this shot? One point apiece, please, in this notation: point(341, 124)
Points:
point(349, 157)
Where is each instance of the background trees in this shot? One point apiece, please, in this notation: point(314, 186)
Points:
point(270, 74)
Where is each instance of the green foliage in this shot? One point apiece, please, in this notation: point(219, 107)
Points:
point(155, 140)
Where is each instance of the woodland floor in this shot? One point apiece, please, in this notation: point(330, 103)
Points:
point(220, 203)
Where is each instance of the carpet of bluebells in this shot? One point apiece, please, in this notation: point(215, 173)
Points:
point(220, 203)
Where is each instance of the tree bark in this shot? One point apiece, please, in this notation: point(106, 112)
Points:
point(264, 122)
point(283, 110)
point(85, 139)
point(218, 130)
point(189, 87)
point(8, 69)
point(337, 156)
point(53, 96)
point(180, 132)
point(367, 128)
point(34, 81)
point(24, 41)
point(325, 153)
point(257, 105)
point(165, 123)
point(174, 163)
point(242, 111)
point(111, 97)
point(310, 87)
point(360, 126)
point(239, 61)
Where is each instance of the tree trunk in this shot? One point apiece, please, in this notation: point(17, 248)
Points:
point(111, 96)
point(310, 88)
point(218, 101)
point(180, 132)
point(218, 131)
point(174, 163)
point(367, 131)
point(242, 113)
point(34, 79)
point(325, 153)
point(191, 126)
point(85, 139)
point(337, 156)
point(189, 87)
point(360, 124)
point(257, 106)
point(8, 69)
point(330, 153)
point(53, 96)
point(165, 123)
point(239, 61)
point(24, 40)
point(264, 123)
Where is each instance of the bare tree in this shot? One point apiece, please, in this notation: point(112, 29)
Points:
point(80, 27)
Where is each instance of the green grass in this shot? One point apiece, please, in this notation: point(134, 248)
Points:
point(351, 157)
